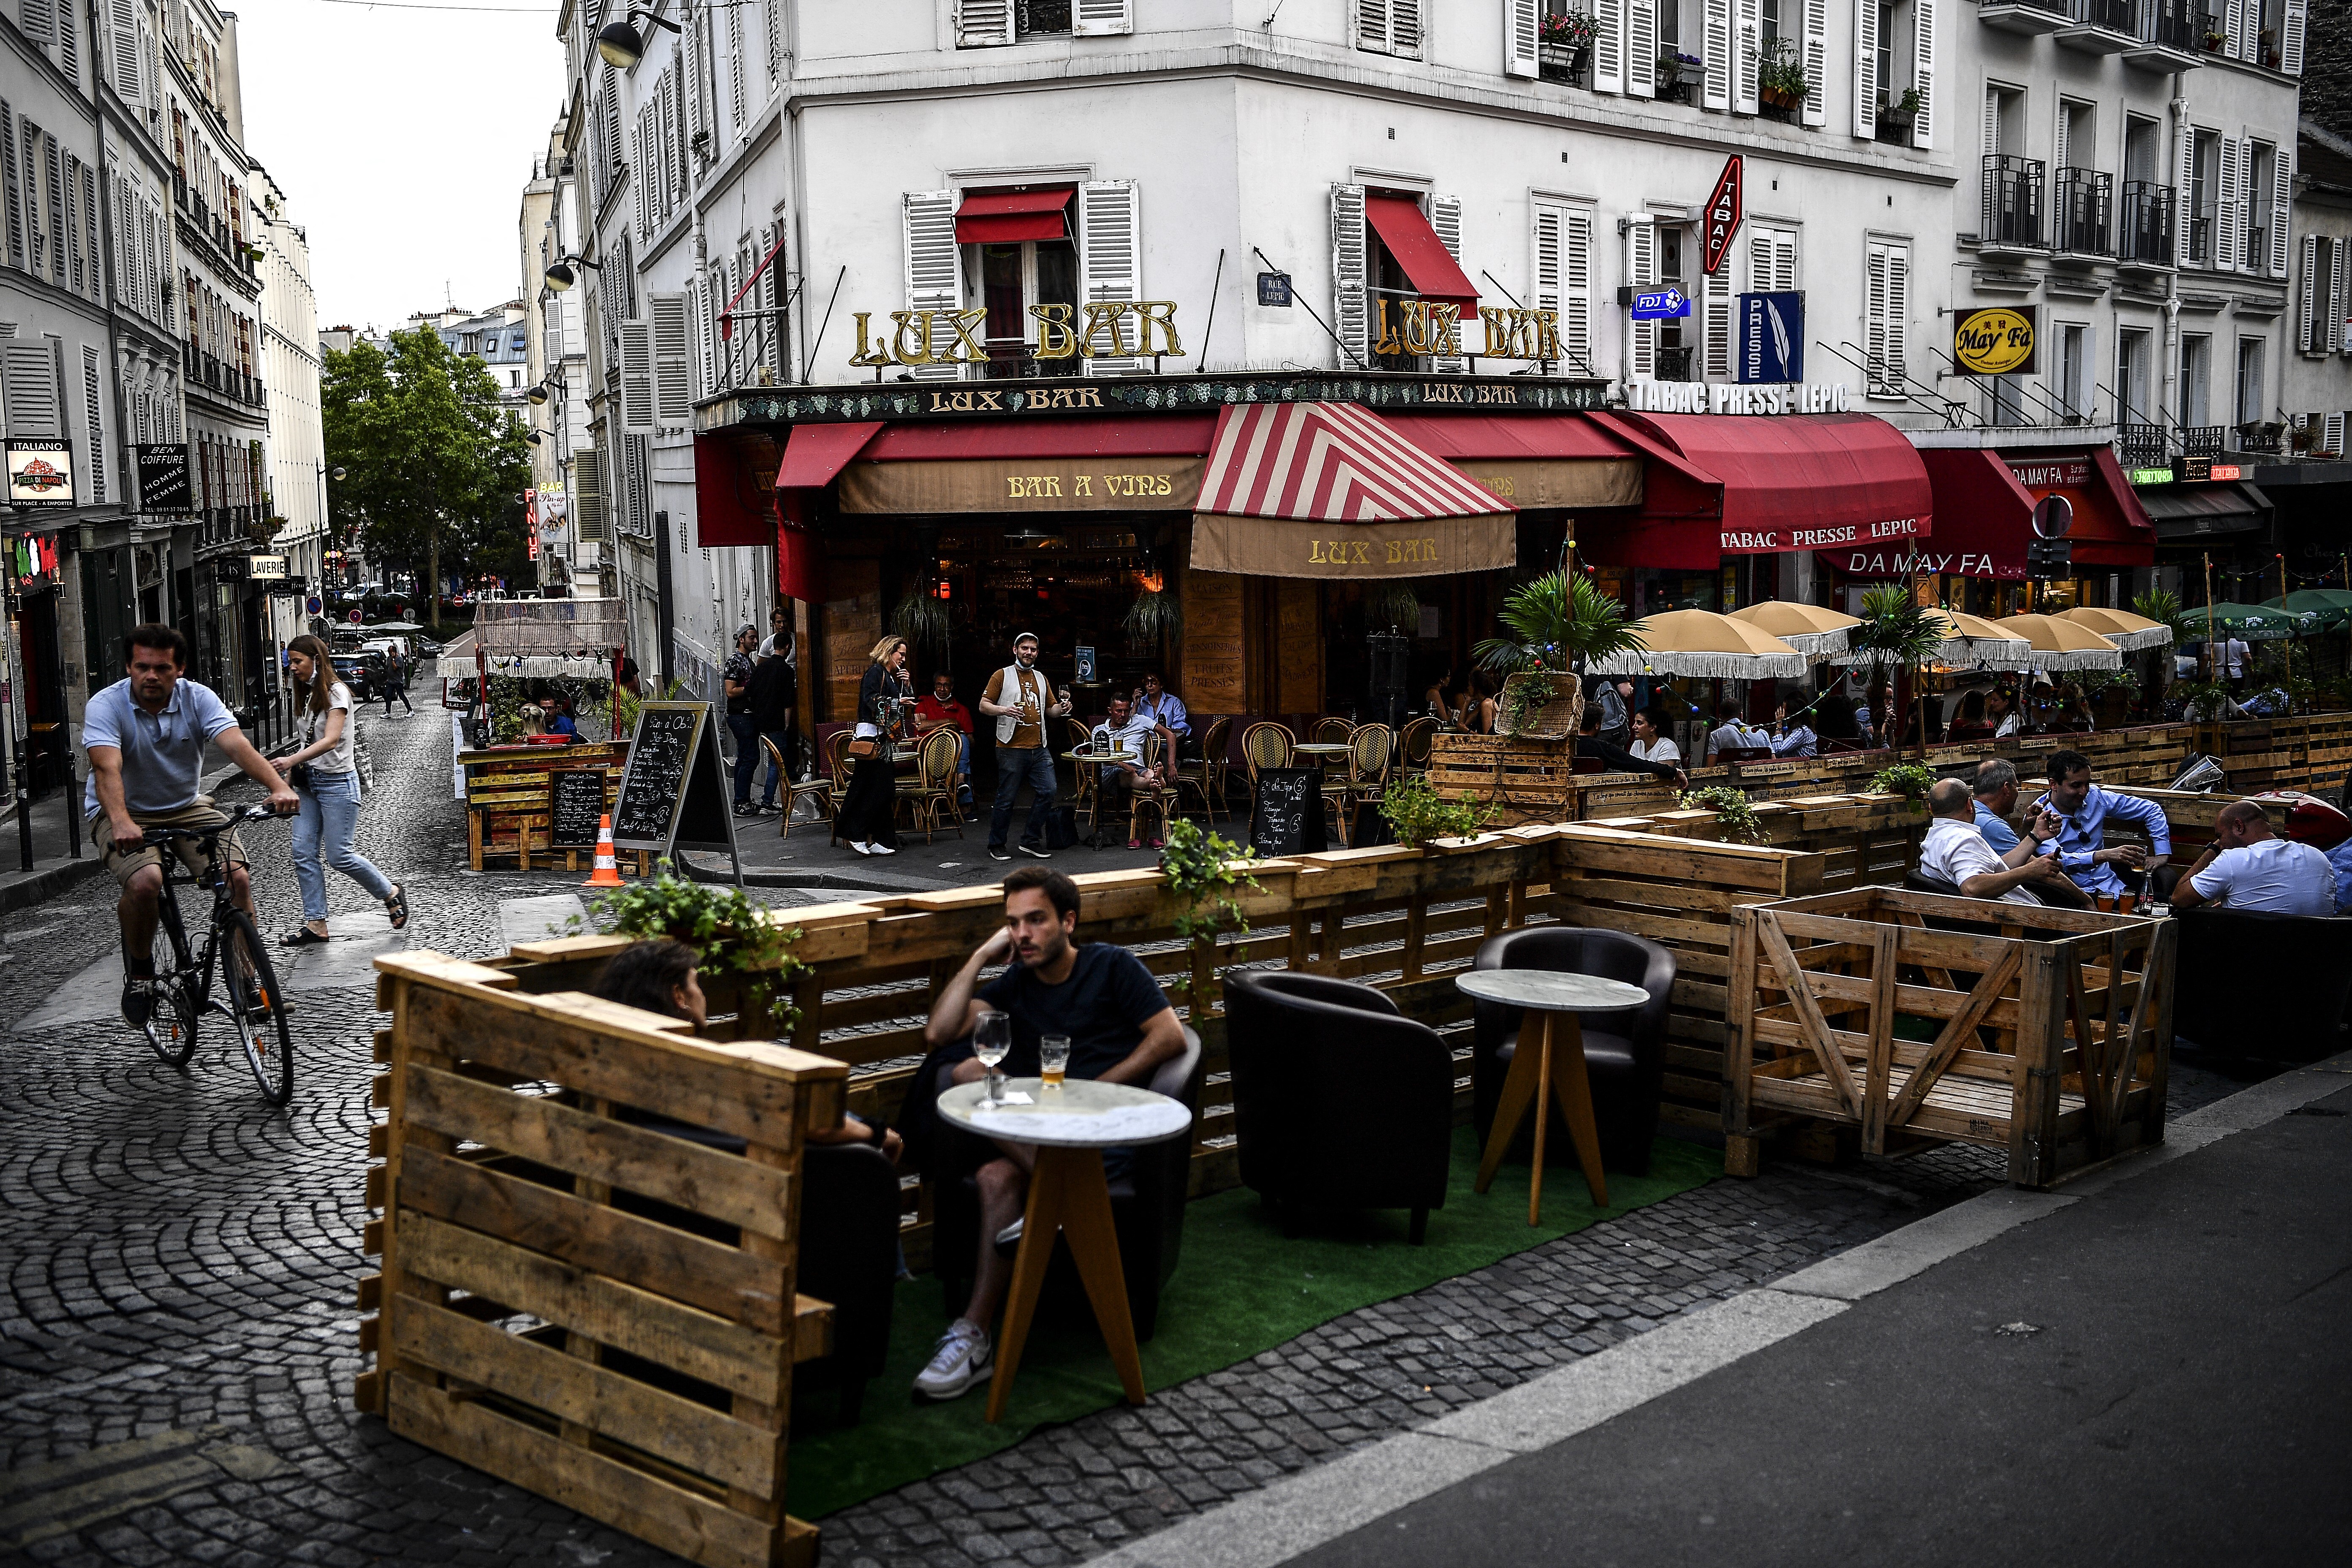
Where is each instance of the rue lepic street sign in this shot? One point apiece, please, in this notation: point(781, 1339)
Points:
point(1723, 212)
point(1661, 305)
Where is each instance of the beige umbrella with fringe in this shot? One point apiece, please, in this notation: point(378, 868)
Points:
point(2128, 632)
point(1707, 646)
point(2064, 645)
point(1808, 628)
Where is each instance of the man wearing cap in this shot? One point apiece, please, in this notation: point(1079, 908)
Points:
point(1020, 698)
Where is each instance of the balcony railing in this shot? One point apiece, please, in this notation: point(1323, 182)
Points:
point(2140, 446)
point(2113, 16)
point(2202, 231)
point(2147, 234)
point(1677, 362)
point(2172, 25)
point(2083, 218)
point(2202, 440)
point(2257, 258)
point(753, 349)
point(2011, 202)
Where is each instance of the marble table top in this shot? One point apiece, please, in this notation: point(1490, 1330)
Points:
point(1080, 1114)
point(1552, 990)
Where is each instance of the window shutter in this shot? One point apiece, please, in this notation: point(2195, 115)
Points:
point(1641, 48)
point(1714, 91)
point(69, 221)
point(2291, 37)
point(39, 21)
point(1350, 306)
point(1445, 221)
point(1898, 312)
point(2231, 213)
point(124, 53)
point(735, 66)
point(1748, 32)
point(92, 415)
point(2332, 434)
point(692, 119)
point(588, 496)
point(97, 287)
point(637, 377)
point(1865, 67)
point(1520, 21)
point(647, 164)
point(1102, 18)
point(1640, 271)
point(979, 24)
point(1815, 110)
point(1110, 256)
point(2052, 209)
point(1404, 27)
point(934, 264)
point(2335, 338)
point(59, 220)
point(2231, 31)
point(8, 183)
point(1878, 367)
point(2310, 336)
point(28, 377)
point(615, 153)
point(771, 17)
point(1923, 71)
point(673, 359)
point(2184, 172)
point(1715, 299)
point(1547, 264)
point(2282, 189)
point(1609, 45)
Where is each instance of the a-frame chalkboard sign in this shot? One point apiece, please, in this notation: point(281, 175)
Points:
point(674, 794)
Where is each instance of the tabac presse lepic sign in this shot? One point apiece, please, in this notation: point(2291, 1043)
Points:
point(1999, 340)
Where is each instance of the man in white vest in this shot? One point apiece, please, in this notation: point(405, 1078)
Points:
point(1020, 698)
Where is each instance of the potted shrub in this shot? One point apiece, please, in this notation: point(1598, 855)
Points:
point(1904, 110)
point(1419, 815)
point(1555, 621)
point(1911, 781)
point(1781, 77)
point(1564, 46)
point(1675, 72)
point(1735, 813)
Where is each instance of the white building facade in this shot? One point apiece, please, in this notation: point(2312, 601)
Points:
point(291, 365)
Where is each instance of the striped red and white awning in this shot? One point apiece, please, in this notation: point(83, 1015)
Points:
point(1331, 462)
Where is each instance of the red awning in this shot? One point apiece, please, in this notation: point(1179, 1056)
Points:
point(1005, 216)
point(1528, 437)
point(816, 454)
point(1718, 484)
point(1406, 232)
point(1169, 436)
point(1985, 501)
point(1331, 462)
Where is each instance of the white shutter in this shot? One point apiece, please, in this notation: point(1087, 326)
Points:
point(1640, 271)
point(2230, 213)
point(637, 378)
point(2310, 336)
point(38, 20)
point(2233, 30)
point(1815, 110)
point(125, 52)
point(1715, 46)
point(771, 18)
point(1102, 18)
point(1609, 45)
point(1747, 36)
point(2332, 434)
point(2336, 337)
point(1351, 315)
point(1563, 278)
point(1865, 69)
point(1546, 263)
point(979, 24)
point(1714, 301)
point(588, 497)
point(646, 166)
point(1520, 19)
point(1445, 221)
point(1878, 328)
point(693, 117)
point(2184, 174)
point(29, 383)
point(2290, 38)
point(1110, 258)
point(735, 65)
point(2281, 188)
point(2052, 209)
point(1404, 27)
point(1641, 48)
point(673, 359)
point(95, 421)
point(2090, 409)
point(1772, 260)
point(1898, 309)
point(1923, 70)
point(934, 264)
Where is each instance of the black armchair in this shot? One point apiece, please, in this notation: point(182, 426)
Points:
point(1146, 1207)
point(1624, 1051)
point(2301, 1008)
point(849, 1256)
point(1338, 1102)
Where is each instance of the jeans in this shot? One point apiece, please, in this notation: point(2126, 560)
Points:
point(1015, 767)
point(331, 815)
point(396, 688)
point(747, 756)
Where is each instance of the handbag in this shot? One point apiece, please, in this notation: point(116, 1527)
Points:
point(865, 747)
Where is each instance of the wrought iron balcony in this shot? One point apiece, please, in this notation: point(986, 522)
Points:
point(2082, 222)
point(2203, 232)
point(2099, 27)
point(2203, 441)
point(753, 349)
point(2028, 18)
point(2170, 33)
point(2140, 446)
point(2146, 237)
point(1677, 364)
point(2012, 204)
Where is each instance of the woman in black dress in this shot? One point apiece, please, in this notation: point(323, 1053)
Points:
point(871, 808)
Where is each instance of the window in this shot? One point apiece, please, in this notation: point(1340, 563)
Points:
point(2251, 401)
point(1388, 26)
point(1887, 311)
point(2196, 380)
point(1769, 14)
point(2204, 195)
point(2073, 382)
point(1012, 278)
point(1039, 18)
point(2261, 170)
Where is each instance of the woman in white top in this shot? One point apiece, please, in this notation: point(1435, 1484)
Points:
point(325, 774)
point(1650, 743)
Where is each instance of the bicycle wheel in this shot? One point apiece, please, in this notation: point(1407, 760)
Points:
point(258, 1007)
point(173, 1011)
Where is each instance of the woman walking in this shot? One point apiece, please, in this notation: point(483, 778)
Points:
point(325, 775)
point(871, 807)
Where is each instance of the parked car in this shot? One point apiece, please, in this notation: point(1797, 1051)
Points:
point(362, 671)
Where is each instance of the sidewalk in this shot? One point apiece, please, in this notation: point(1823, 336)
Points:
point(2147, 1365)
point(54, 868)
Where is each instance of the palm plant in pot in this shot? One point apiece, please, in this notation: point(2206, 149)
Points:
point(1897, 633)
point(1556, 622)
point(1154, 616)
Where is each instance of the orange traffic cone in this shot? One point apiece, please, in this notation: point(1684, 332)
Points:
point(607, 873)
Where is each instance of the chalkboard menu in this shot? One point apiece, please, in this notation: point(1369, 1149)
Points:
point(577, 807)
point(1287, 815)
point(673, 795)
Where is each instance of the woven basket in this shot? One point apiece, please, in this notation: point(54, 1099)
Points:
point(1555, 719)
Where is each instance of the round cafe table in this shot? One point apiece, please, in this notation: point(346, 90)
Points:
point(1548, 1064)
point(1323, 751)
point(1098, 761)
point(1069, 1127)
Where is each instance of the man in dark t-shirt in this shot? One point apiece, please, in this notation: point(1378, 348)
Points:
point(1120, 1028)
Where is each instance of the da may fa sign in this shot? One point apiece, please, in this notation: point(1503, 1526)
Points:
point(40, 473)
point(1998, 340)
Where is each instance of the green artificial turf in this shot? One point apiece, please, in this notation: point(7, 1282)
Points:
point(1241, 1289)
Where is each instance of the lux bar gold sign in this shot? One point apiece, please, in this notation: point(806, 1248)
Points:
point(1122, 329)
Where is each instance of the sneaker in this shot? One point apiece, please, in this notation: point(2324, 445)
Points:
point(999, 852)
point(1159, 844)
point(745, 808)
point(138, 1000)
point(880, 850)
point(861, 846)
point(1135, 844)
point(964, 1356)
point(1036, 852)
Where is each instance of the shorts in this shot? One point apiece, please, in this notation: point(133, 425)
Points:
point(201, 812)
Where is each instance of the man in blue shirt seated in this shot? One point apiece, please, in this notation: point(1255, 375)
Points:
point(1120, 1030)
point(1792, 738)
point(2084, 809)
point(1996, 793)
point(1166, 710)
point(2248, 866)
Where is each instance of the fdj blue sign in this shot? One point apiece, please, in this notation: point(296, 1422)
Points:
point(1663, 305)
point(1773, 338)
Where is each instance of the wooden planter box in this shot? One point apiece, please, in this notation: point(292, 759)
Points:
point(635, 1366)
point(2049, 1032)
point(511, 794)
point(1524, 777)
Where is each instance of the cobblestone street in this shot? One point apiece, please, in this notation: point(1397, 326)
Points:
point(177, 1335)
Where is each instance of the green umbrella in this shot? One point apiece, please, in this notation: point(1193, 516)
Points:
point(2332, 605)
point(2255, 623)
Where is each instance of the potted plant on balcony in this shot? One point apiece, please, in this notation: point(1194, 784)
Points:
point(1564, 45)
point(1675, 70)
point(1781, 77)
point(1904, 110)
point(2215, 40)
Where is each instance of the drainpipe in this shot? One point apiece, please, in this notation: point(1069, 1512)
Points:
point(2170, 401)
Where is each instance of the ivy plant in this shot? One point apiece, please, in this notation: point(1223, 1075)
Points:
point(1208, 871)
point(1417, 813)
point(735, 936)
point(1735, 815)
point(1911, 781)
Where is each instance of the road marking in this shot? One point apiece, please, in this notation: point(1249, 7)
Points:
point(43, 1501)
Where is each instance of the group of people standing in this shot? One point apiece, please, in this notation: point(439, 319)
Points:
point(761, 679)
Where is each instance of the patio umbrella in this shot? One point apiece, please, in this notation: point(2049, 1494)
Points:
point(2332, 605)
point(2128, 632)
point(2064, 645)
point(2254, 623)
point(1706, 645)
point(1808, 628)
point(1969, 640)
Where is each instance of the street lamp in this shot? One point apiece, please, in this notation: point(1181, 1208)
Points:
point(563, 274)
point(620, 43)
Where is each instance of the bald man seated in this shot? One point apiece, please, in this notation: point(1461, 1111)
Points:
point(2248, 866)
point(1956, 850)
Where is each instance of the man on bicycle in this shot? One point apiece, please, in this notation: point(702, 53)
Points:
point(146, 736)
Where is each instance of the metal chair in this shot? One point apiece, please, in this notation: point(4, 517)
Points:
point(818, 788)
point(1206, 778)
point(1333, 732)
point(1413, 743)
point(1266, 744)
point(934, 782)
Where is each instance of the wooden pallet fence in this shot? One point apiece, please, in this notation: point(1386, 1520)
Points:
point(1524, 778)
point(2045, 1033)
point(509, 799)
point(571, 1300)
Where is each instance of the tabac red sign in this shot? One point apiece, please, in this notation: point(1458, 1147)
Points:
point(1724, 211)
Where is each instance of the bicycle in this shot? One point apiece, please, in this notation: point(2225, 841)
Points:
point(255, 1006)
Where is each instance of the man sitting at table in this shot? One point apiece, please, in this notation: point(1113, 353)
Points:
point(1954, 851)
point(1120, 1029)
point(2248, 866)
point(1734, 735)
point(1165, 709)
point(1127, 730)
point(939, 706)
point(1792, 737)
point(2084, 809)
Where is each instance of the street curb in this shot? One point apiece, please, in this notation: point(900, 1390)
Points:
point(1311, 1509)
point(821, 880)
point(40, 885)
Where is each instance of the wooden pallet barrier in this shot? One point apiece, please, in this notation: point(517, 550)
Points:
point(2043, 1033)
point(510, 799)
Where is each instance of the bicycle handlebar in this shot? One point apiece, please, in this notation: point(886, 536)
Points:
point(249, 813)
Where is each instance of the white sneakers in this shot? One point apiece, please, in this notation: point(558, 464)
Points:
point(865, 848)
point(965, 1356)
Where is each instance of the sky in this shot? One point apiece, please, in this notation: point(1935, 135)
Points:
point(403, 138)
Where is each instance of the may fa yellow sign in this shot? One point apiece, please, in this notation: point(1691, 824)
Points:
point(1995, 342)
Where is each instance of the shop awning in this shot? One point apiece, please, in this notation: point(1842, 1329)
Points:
point(2186, 514)
point(1135, 464)
point(1330, 490)
point(1534, 461)
point(817, 452)
point(1984, 506)
point(1405, 230)
point(1717, 485)
point(1005, 216)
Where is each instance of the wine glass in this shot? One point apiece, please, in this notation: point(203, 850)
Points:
point(991, 1037)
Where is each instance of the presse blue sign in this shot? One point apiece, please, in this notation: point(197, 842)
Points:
point(1772, 337)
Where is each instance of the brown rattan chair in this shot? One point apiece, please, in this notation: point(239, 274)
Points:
point(1333, 732)
point(816, 787)
point(837, 769)
point(1206, 778)
point(1143, 799)
point(1413, 745)
point(933, 784)
point(1374, 759)
point(1266, 744)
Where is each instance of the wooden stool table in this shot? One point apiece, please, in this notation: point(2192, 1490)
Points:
point(1547, 1066)
point(1069, 1126)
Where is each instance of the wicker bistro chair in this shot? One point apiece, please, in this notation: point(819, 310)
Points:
point(1142, 801)
point(1333, 732)
point(1266, 744)
point(1077, 737)
point(1206, 778)
point(932, 786)
point(837, 769)
point(1374, 759)
point(1413, 745)
point(816, 787)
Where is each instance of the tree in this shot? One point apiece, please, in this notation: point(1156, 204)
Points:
point(433, 468)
